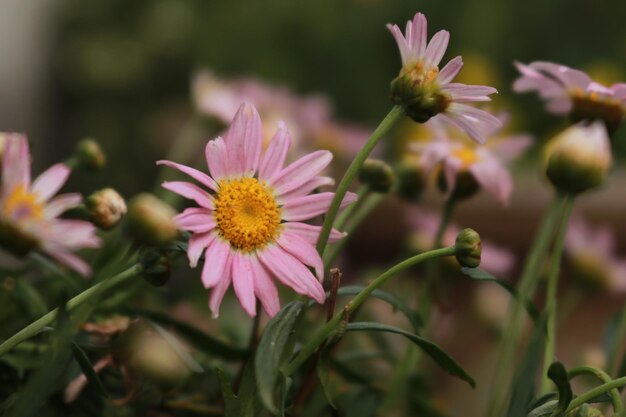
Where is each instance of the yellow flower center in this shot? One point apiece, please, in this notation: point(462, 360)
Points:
point(467, 156)
point(247, 213)
point(591, 105)
point(22, 205)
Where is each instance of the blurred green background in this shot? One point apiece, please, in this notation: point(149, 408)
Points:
point(120, 70)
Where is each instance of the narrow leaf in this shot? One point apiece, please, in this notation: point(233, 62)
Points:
point(323, 373)
point(30, 299)
point(87, 368)
point(445, 361)
point(558, 374)
point(274, 348)
point(544, 409)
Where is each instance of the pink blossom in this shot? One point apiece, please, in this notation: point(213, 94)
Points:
point(29, 217)
point(420, 60)
point(424, 224)
point(249, 220)
point(592, 253)
point(571, 91)
point(486, 163)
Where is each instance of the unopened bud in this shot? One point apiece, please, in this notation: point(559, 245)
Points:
point(579, 158)
point(468, 248)
point(411, 180)
point(150, 220)
point(89, 155)
point(417, 92)
point(377, 175)
point(106, 208)
point(465, 186)
point(157, 267)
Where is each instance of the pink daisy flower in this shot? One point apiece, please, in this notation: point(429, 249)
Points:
point(29, 213)
point(249, 221)
point(569, 91)
point(425, 91)
point(591, 252)
point(470, 165)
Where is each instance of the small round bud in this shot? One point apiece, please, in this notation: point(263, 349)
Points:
point(106, 208)
point(157, 267)
point(410, 179)
point(150, 220)
point(417, 92)
point(579, 158)
point(468, 248)
point(89, 155)
point(377, 175)
point(466, 185)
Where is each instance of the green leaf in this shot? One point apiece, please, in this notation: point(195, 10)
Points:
point(544, 409)
point(445, 361)
point(196, 337)
point(364, 404)
point(558, 374)
point(244, 404)
point(482, 275)
point(87, 368)
point(523, 390)
point(230, 401)
point(30, 299)
point(323, 373)
point(274, 349)
point(178, 348)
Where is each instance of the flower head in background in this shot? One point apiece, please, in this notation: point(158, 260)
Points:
point(569, 91)
point(426, 92)
point(249, 221)
point(424, 225)
point(591, 252)
point(29, 212)
point(463, 166)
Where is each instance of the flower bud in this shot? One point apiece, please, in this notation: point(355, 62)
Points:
point(377, 175)
point(579, 158)
point(106, 208)
point(89, 155)
point(415, 90)
point(466, 185)
point(150, 220)
point(468, 248)
point(157, 267)
point(410, 179)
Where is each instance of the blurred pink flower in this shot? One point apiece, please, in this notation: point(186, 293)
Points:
point(29, 213)
point(420, 60)
point(592, 254)
point(248, 224)
point(486, 163)
point(424, 225)
point(571, 91)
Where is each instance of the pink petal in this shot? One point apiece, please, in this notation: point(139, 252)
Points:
point(303, 251)
point(494, 178)
point(217, 293)
point(16, 162)
point(276, 153)
point(436, 48)
point(194, 219)
point(311, 233)
point(300, 171)
point(199, 176)
point(71, 233)
point(217, 158)
point(405, 55)
point(69, 259)
point(191, 192)
point(306, 188)
point(419, 35)
point(468, 93)
point(292, 272)
point(51, 181)
point(243, 140)
point(264, 287)
point(198, 242)
point(243, 282)
point(61, 203)
point(450, 71)
point(303, 208)
point(217, 262)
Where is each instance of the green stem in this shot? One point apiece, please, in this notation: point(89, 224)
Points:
point(616, 350)
point(388, 122)
point(551, 296)
point(36, 326)
point(527, 286)
point(323, 333)
point(603, 377)
point(582, 399)
point(365, 209)
point(346, 214)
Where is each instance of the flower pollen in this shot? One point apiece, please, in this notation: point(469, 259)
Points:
point(22, 205)
point(246, 213)
point(467, 157)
